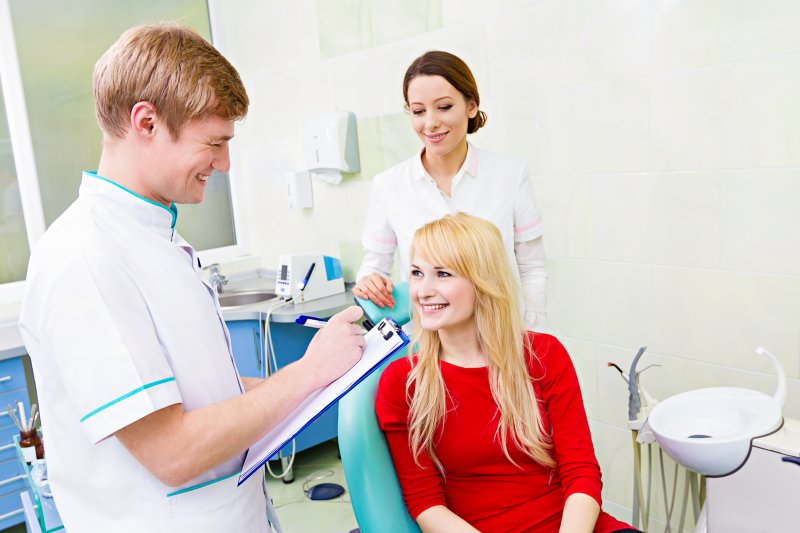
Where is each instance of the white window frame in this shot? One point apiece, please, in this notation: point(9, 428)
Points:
point(21, 143)
point(25, 161)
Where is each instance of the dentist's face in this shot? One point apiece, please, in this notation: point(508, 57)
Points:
point(439, 114)
point(443, 299)
point(184, 164)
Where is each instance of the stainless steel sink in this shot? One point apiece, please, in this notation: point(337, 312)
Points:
point(235, 299)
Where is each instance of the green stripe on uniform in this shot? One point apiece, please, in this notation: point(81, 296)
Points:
point(201, 485)
point(128, 395)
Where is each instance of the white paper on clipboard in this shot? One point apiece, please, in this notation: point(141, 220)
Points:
point(381, 342)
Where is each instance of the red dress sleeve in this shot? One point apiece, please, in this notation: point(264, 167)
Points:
point(422, 485)
point(557, 387)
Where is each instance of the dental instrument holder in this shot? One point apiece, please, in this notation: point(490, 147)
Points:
point(637, 417)
point(400, 313)
point(634, 400)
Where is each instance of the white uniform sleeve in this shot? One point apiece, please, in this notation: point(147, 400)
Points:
point(378, 237)
point(532, 264)
point(375, 262)
point(527, 219)
point(98, 328)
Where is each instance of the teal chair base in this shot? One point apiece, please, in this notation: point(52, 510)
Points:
point(371, 478)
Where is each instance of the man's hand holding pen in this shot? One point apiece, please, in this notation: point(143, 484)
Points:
point(335, 348)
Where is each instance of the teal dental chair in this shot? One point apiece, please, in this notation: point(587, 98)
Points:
point(371, 478)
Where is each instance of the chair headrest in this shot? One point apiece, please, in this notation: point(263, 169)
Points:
point(400, 313)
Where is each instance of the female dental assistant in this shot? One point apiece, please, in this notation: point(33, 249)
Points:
point(448, 175)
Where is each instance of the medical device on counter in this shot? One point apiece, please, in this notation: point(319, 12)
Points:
point(302, 278)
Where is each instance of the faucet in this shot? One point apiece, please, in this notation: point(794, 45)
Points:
point(216, 279)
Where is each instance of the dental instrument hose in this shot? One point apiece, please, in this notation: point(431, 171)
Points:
point(270, 351)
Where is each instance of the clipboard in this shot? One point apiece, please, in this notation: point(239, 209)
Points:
point(381, 342)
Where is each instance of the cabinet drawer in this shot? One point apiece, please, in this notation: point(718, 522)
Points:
point(10, 468)
point(12, 376)
point(7, 451)
point(9, 505)
point(11, 487)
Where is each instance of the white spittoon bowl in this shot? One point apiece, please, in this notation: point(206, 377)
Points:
point(710, 430)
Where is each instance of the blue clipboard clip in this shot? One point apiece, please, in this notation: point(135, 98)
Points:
point(310, 321)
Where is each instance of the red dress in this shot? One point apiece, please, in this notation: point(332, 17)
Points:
point(481, 485)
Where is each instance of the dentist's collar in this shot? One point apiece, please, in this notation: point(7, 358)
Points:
point(143, 209)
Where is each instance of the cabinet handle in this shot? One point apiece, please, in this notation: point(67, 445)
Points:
point(791, 459)
point(257, 346)
point(5, 378)
point(11, 480)
point(9, 515)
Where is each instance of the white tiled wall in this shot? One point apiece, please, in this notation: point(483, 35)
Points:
point(664, 142)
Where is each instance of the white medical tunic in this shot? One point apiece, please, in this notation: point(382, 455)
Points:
point(405, 197)
point(118, 324)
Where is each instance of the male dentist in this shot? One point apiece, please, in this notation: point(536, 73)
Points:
point(145, 417)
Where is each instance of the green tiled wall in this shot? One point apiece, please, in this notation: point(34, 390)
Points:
point(349, 25)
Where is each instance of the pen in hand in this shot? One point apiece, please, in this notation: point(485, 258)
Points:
point(314, 322)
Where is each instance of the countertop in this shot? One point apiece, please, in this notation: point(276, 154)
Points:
point(10, 340)
point(285, 313)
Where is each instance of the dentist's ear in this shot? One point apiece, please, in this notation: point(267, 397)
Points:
point(143, 119)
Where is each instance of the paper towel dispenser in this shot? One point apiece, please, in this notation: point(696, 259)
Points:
point(331, 145)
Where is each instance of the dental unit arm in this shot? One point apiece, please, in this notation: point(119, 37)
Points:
point(640, 402)
point(634, 400)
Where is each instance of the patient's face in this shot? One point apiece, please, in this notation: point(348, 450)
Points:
point(442, 299)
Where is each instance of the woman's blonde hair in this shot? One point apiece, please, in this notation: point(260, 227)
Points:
point(473, 248)
point(172, 67)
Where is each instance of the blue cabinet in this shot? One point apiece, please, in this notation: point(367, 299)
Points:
point(13, 389)
point(248, 347)
point(290, 342)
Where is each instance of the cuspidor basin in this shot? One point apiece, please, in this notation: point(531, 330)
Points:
point(710, 430)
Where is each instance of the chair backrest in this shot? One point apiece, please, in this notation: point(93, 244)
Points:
point(371, 478)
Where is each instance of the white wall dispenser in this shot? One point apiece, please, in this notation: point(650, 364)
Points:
point(331, 145)
point(299, 187)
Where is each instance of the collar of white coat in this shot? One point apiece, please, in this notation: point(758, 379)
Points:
point(469, 167)
point(156, 216)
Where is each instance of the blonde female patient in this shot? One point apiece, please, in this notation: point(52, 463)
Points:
point(485, 423)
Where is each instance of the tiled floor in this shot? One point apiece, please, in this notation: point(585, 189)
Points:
point(296, 512)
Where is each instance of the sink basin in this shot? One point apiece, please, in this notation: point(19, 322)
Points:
point(710, 430)
point(235, 299)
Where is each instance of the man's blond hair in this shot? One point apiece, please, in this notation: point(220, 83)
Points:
point(172, 67)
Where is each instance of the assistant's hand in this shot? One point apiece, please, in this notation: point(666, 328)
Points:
point(335, 348)
point(376, 288)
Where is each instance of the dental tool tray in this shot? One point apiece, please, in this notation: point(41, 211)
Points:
point(44, 507)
